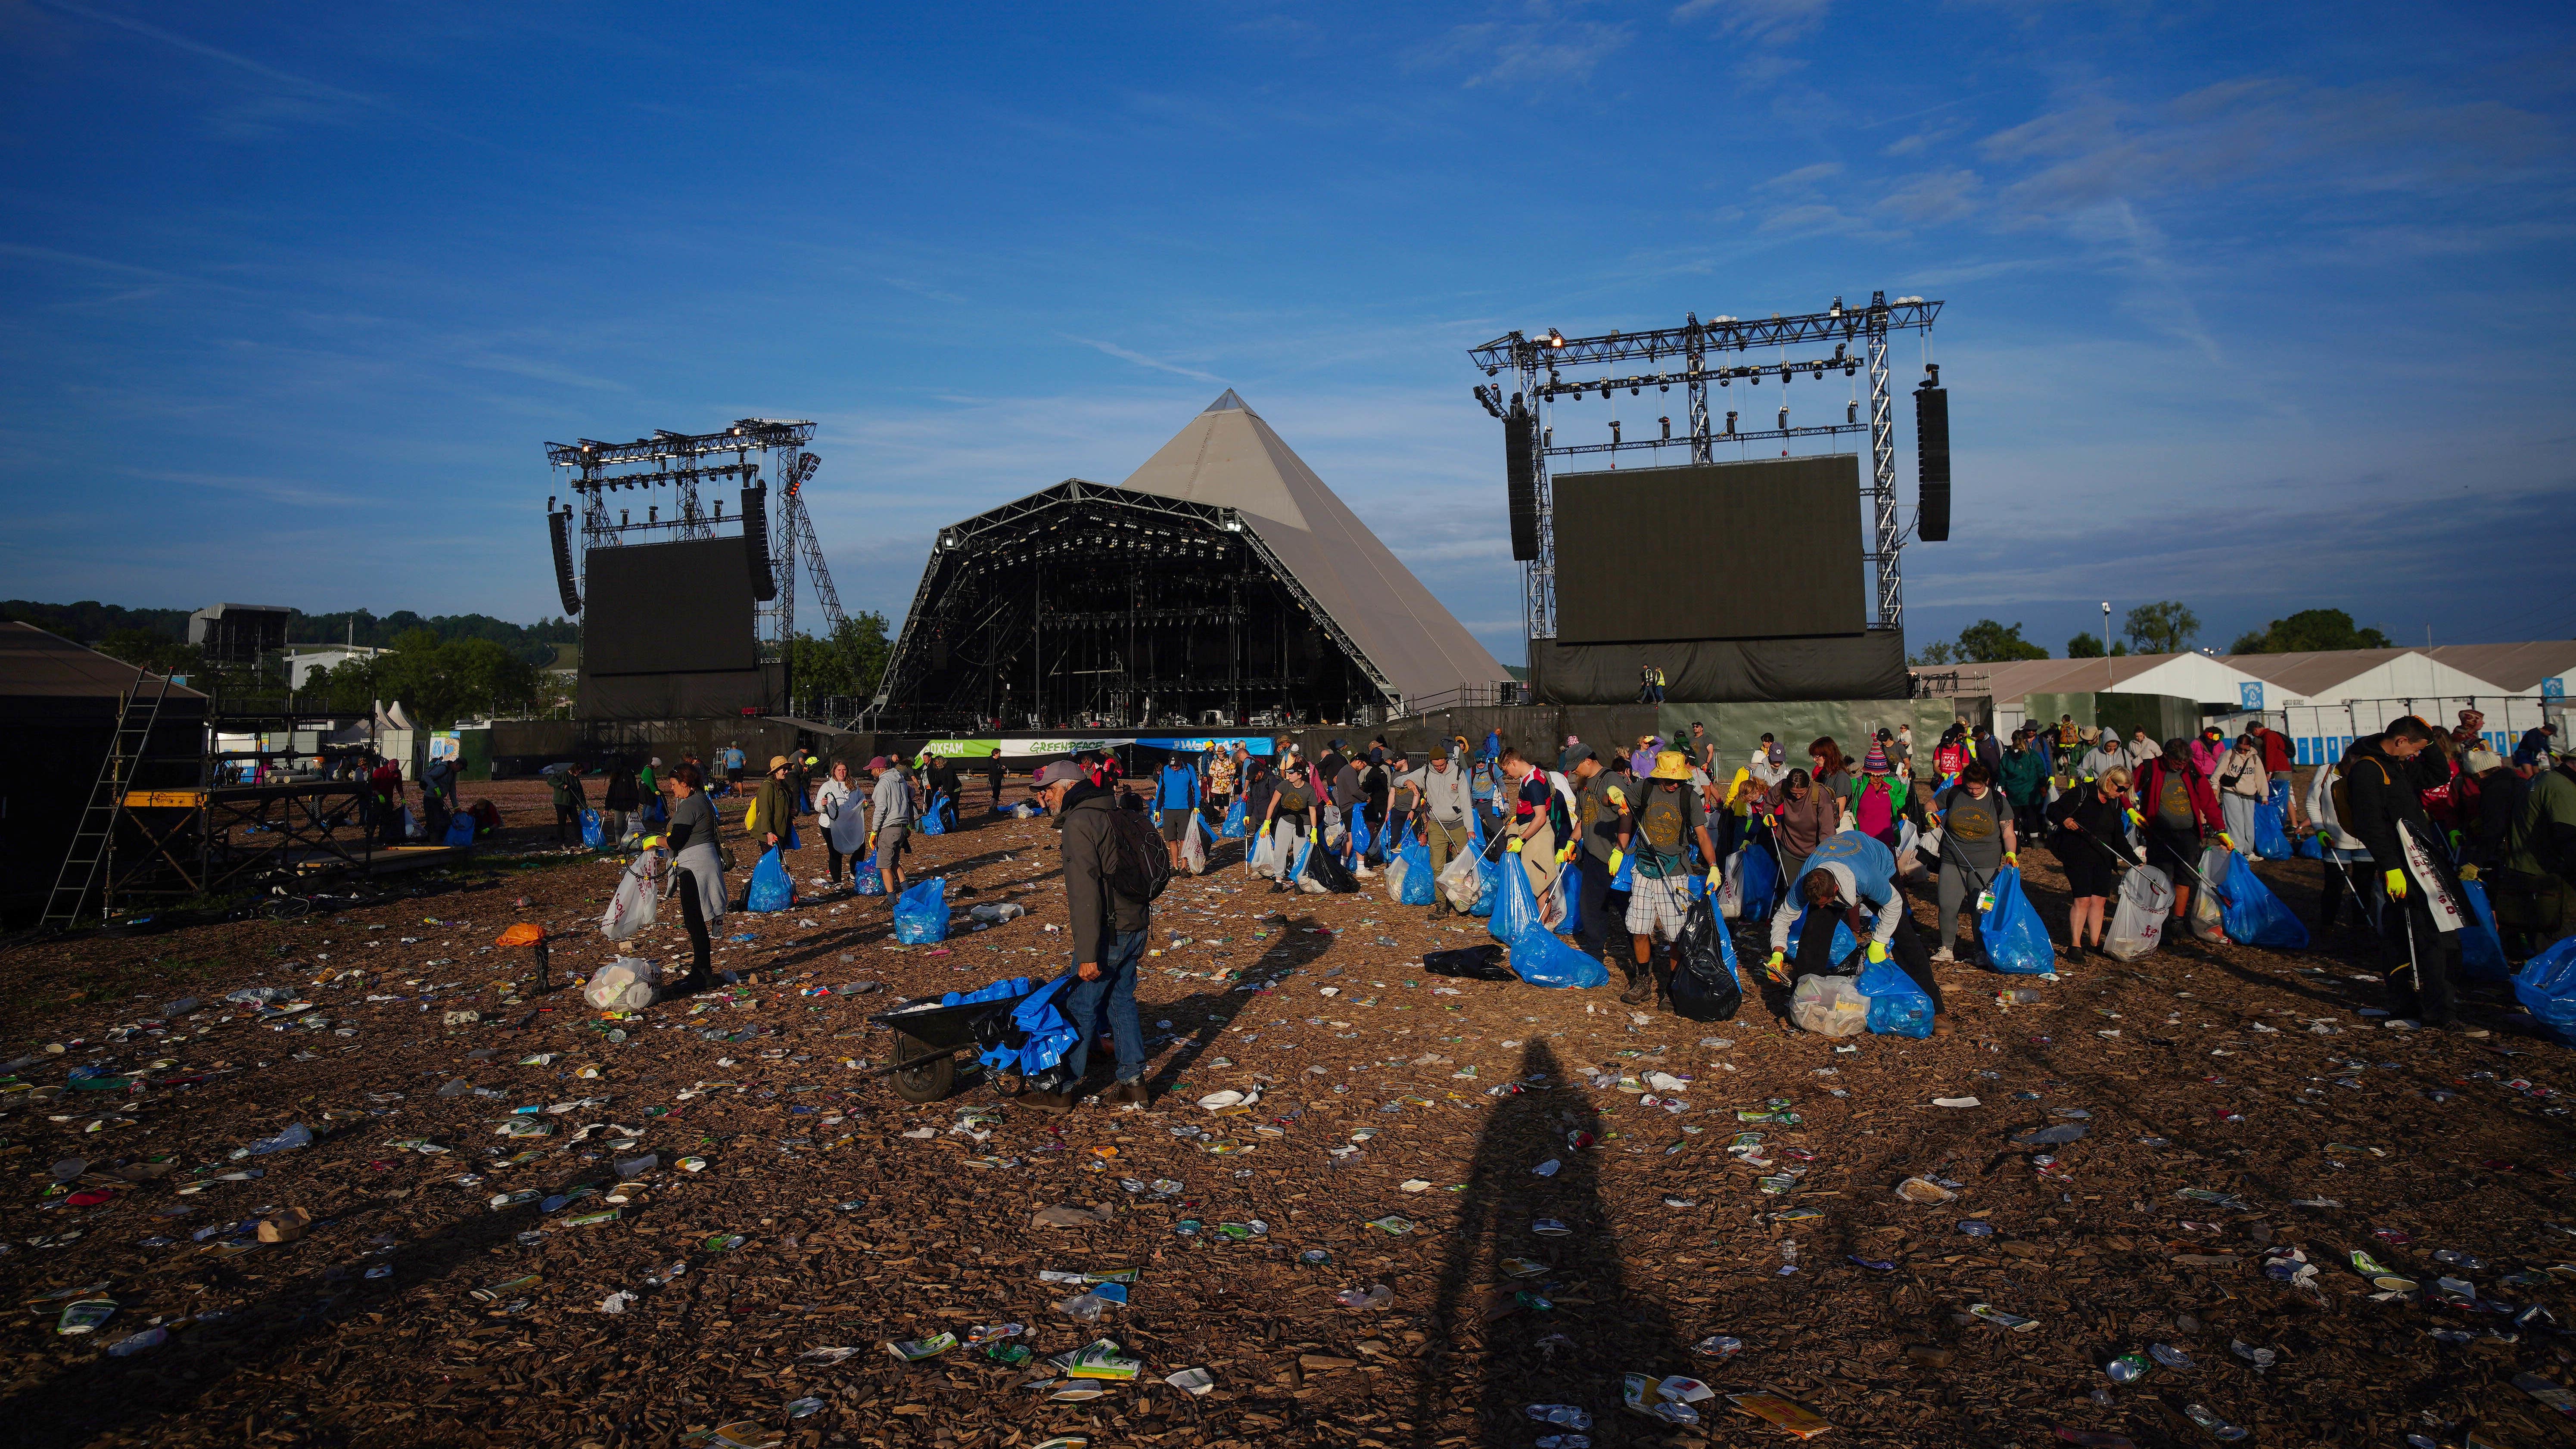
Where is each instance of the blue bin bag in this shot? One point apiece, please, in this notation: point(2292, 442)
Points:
point(1540, 959)
point(2271, 837)
point(460, 830)
point(2311, 846)
point(1761, 883)
point(1305, 848)
point(1515, 904)
point(772, 889)
point(1626, 878)
point(1358, 838)
point(591, 833)
point(1569, 886)
point(1007, 989)
point(2015, 938)
point(864, 880)
point(2546, 987)
point(2481, 949)
point(1418, 883)
point(934, 821)
point(2279, 798)
point(1047, 1036)
point(790, 840)
point(921, 913)
point(1897, 1007)
point(2252, 914)
point(1232, 827)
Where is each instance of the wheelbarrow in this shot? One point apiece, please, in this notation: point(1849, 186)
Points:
point(928, 1034)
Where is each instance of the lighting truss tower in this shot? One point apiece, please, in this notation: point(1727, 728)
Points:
point(1539, 364)
point(681, 462)
point(796, 533)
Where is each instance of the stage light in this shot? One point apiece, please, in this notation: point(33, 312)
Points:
point(1489, 372)
point(1555, 338)
point(1851, 411)
point(1632, 390)
point(1614, 432)
point(1730, 414)
point(1668, 428)
point(1784, 417)
point(622, 517)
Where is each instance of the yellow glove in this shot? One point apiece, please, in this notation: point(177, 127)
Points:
point(1514, 846)
point(1565, 856)
point(2397, 885)
point(1616, 857)
point(2012, 860)
point(1618, 797)
point(1777, 967)
point(2224, 840)
point(2468, 872)
point(1712, 880)
point(1877, 952)
point(2137, 819)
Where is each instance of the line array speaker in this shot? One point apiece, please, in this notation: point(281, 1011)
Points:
point(1522, 477)
point(755, 538)
point(1932, 447)
point(560, 525)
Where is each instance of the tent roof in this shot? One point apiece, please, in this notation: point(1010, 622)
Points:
point(2515, 667)
point(1227, 457)
point(35, 663)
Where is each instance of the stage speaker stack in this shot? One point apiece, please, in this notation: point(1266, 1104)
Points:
point(1932, 447)
point(1521, 473)
point(560, 524)
point(755, 540)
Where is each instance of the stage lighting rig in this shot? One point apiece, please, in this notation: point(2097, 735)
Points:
point(1858, 337)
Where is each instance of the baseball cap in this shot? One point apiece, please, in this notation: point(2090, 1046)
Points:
point(880, 763)
point(2478, 762)
point(1575, 755)
point(1060, 772)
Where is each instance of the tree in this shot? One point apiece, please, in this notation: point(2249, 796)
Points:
point(1939, 651)
point(439, 681)
point(1987, 642)
point(848, 662)
point(2161, 628)
point(2089, 646)
point(2308, 630)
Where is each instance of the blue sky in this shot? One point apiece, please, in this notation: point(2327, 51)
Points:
point(2259, 307)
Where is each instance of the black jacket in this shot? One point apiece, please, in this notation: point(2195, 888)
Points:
point(2381, 800)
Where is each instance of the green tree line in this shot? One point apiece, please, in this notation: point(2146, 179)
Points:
point(2167, 626)
point(90, 622)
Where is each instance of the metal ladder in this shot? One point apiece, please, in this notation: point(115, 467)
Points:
point(93, 842)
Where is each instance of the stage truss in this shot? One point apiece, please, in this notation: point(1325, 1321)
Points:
point(1539, 363)
point(681, 462)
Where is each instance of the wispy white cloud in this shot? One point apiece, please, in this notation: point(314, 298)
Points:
point(1765, 22)
point(1140, 359)
point(1544, 47)
point(250, 121)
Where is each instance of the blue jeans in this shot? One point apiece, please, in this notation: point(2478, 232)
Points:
point(1110, 1001)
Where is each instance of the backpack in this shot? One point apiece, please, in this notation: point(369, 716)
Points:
point(1144, 866)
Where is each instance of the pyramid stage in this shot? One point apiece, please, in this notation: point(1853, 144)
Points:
point(1221, 586)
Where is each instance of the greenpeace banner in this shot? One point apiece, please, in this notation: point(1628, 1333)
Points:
point(1076, 744)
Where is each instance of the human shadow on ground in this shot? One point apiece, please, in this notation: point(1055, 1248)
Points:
point(1596, 1326)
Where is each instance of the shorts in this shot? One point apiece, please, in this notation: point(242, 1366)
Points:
point(890, 844)
point(1174, 822)
point(1658, 908)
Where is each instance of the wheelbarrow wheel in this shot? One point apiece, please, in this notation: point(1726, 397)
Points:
point(928, 1082)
